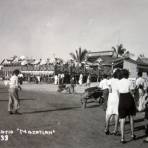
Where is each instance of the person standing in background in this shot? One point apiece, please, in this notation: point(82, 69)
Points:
point(55, 79)
point(81, 79)
point(88, 80)
point(140, 90)
point(72, 83)
point(146, 117)
point(59, 79)
point(105, 87)
point(62, 78)
point(140, 84)
point(20, 76)
point(14, 103)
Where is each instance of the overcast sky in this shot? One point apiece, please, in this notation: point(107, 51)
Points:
point(43, 28)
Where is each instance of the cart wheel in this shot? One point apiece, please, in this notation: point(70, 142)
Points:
point(68, 90)
point(84, 105)
point(101, 100)
point(59, 90)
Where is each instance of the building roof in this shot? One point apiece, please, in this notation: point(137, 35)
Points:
point(107, 58)
point(100, 53)
point(142, 64)
point(2, 61)
point(142, 60)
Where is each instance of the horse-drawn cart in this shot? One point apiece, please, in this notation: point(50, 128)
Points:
point(92, 94)
point(64, 87)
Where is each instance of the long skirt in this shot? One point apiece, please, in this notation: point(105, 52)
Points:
point(126, 105)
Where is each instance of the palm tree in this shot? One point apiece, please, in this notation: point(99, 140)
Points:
point(141, 56)
point(79, 55)
point(128, 54)
point(119, 50)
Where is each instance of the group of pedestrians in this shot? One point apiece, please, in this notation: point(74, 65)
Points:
point(119, 101)
point(59, 79)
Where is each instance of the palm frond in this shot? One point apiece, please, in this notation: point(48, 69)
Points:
point(114, 49)
point(73, 56)
point(79, 55)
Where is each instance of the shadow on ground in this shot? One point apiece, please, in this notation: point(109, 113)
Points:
point(51, 110)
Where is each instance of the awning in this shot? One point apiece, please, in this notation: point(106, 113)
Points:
point(24, 63)
point(38, 72)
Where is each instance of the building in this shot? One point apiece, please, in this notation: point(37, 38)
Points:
point(142, 65)
point(26, 66)
point(108, 61)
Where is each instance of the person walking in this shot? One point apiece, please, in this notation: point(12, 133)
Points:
point(105, 87)
point(14, 103)
point(127, 105)
point(112, 104)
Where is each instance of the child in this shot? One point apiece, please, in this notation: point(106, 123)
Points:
point(13, 104)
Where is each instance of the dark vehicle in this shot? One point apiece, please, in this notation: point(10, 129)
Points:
point(92, 94)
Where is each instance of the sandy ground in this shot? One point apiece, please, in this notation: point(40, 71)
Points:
point(43, 109)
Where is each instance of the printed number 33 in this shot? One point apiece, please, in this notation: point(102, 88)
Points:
point(4, 138)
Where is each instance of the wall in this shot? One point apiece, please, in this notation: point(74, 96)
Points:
point(132, 67)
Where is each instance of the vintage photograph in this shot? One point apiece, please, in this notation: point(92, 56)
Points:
point(73, 73)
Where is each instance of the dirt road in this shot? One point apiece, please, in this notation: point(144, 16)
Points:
point(60, 115)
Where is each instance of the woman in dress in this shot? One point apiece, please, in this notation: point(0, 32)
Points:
point(126, 104)
point(112, 104)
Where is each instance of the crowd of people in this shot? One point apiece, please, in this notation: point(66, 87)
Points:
point(119, 101)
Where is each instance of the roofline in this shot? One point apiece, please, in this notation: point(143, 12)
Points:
point(100, 53)
point(2, 61)
point(105, 51)
point(127, 59)
point(141, 63)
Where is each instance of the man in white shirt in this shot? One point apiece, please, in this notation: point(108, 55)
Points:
point(105, 87)
point(13, 104)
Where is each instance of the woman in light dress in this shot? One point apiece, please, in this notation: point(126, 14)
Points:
point(113, 101)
